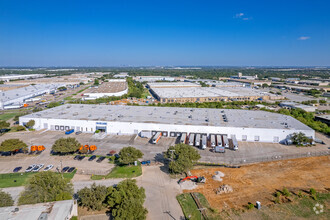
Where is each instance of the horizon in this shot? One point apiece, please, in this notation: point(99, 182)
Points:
point(172, 34)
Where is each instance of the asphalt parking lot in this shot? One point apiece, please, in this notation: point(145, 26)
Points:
point(248, 151)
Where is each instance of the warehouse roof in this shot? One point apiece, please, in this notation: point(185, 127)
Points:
point(196, 92)
point(170, 115)
point(26, 91)
point(171, 85)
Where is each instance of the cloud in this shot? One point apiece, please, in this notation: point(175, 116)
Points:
point(304, 38)
point(239, 15)
point(242, 16)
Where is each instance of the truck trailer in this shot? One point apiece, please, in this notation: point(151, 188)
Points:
point(219, 141)
point(191, 139)
point(198, 140)
point(204, 142)
point(235, 143)
point(212, 140)
point(225, 141)
point(183, 138)
point(156, 137)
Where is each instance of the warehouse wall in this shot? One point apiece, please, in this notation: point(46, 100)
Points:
point(251, 134)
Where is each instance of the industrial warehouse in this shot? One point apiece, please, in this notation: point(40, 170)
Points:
point(244, 125)
point(209, 94)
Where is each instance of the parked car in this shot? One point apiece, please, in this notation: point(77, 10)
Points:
point(76, 157)
point(92, 158)
point(71, 169)
point(78, 132)
point(49, 167)
point(117, 156)
point(81, 157)
point(65, 169)
point(38, 167)
point(100, 159)
point(17, 169)
point(30, 168)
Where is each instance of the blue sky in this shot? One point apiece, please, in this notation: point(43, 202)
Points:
point(138, 33)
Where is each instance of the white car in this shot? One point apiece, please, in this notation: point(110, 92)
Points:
point(49, 167)
point(30, 168)
point(38, 167)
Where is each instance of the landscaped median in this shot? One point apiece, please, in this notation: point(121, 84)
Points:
point(121, 171)
point(21, 179)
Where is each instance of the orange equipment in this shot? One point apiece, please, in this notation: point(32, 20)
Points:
point(25, 105)
point(41, 148)
point(34, 148)
point(92, 148)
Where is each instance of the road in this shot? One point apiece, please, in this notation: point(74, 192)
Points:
point(161, 192)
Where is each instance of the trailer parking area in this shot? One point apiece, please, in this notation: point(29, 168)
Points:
point(249, 152)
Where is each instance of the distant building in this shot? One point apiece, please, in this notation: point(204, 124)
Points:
point(292, 80)
point(23, 76)
point(313, 83)
point(294, 105)
point(154, 78)
point(114, 87)
point(275, 79)
point(121, 75)
point(240, 76)
point(323, 118)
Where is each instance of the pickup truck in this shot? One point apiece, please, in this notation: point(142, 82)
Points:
point(69, 131)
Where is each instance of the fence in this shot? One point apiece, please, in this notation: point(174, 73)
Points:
point(231, 162)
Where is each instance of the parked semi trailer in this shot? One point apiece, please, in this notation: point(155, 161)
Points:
point(204, 142)
point(225, 141)
point(198, 140)
point(191, 139)
point(183, 138)
point(212, 140)
point(156, 137)
point(235, 143)
point(219, 141)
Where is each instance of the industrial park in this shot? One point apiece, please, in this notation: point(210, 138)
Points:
point(164, 110)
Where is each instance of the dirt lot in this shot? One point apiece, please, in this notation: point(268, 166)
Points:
point(258, 182)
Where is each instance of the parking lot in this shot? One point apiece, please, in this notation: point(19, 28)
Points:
point(248, 151)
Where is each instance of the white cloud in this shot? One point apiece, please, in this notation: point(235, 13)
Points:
point(304, 38)
point(239, 15)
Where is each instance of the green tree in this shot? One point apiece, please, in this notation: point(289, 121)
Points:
point(182, 157)
point(126, 201)
point(66, 145)
point(96, 82)
point(5, 199)
point(264, 85)
point(81, 83)
point(46, 187)
point(93, 197)
point(30, 124)
point(53, 104)
point(299, 138)
point(4, 124)
point(129, 154)
point(12, 145)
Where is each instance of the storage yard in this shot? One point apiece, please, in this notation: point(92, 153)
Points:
point(258, 182)
point(255, 126)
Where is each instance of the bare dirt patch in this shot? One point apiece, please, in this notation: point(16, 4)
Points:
point(257, 182)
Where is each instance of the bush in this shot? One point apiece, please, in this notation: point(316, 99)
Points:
point(30, 124)
point(286, 192)
point(97, 131)
point(250, 206)
point(20, 128)
point(313, 193)
point(5, 199)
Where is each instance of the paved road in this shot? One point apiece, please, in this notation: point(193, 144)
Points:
point(161, 192)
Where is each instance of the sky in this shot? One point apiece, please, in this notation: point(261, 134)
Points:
point(165, 33)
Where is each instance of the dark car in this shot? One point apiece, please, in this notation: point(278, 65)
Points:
point(92, 158)
point(100, 159)
point(76, 157)
point(117, 156)
point(78, 132)
point(17, 169)
point(65, 169)
point(81, 157)
point(71, 169)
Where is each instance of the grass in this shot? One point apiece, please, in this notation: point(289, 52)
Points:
point(121, 172)
point(7, 116)
point(21, 179)
point(189, 207)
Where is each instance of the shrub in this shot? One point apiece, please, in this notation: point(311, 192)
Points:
point(5, 199)
point(250, 206)
point(20, 128)
point(286, 192)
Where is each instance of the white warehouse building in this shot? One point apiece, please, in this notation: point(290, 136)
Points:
point(246, 125)
point(17, 97)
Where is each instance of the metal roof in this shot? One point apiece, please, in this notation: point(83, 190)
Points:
point(171, 115)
